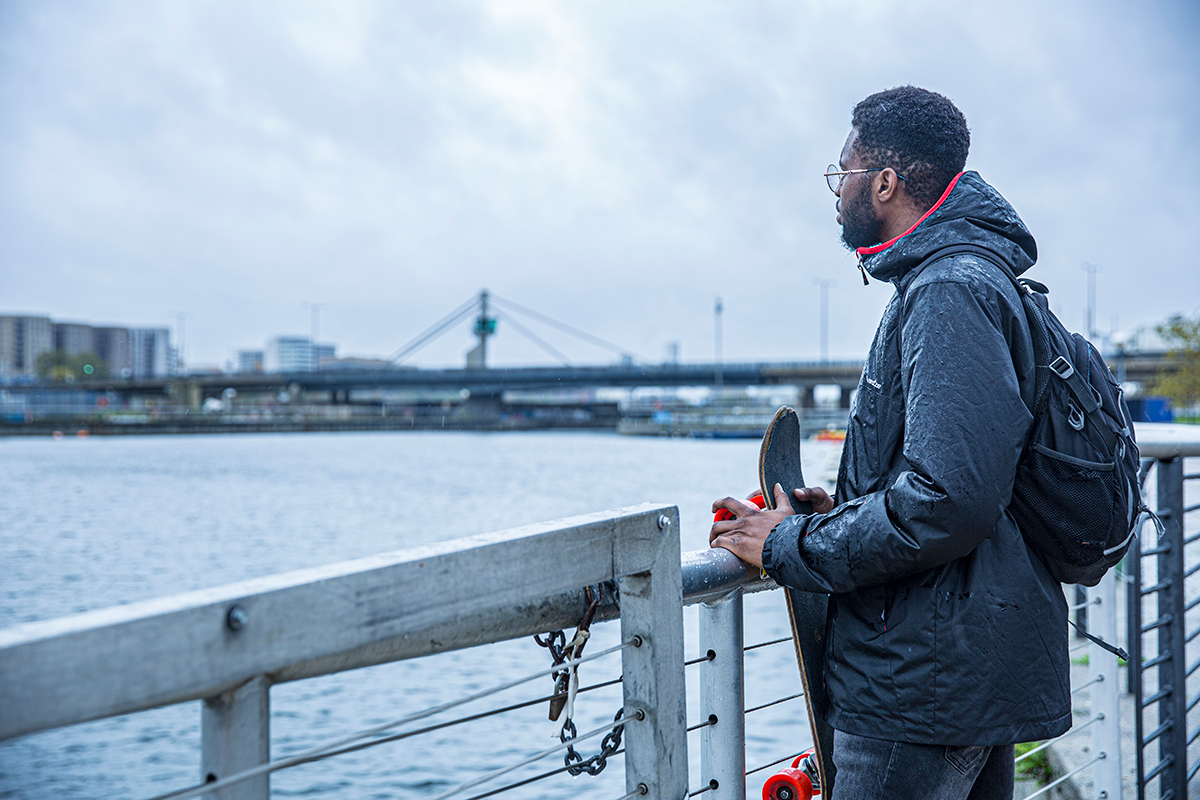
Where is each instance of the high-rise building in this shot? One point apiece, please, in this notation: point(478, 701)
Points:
point(250, 361)
point(150, 352)
point(74, 338)
point(22, 340)
point(114, 347)
point(289, 354)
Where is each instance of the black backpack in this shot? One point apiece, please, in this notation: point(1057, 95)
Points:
point(1077, 498)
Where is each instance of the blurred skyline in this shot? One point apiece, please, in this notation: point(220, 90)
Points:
point(617, 168)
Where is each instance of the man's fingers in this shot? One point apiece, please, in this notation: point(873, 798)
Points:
point(729, 542)
point(782, 503)
point(740, 546)
point(822, 503)
point(721, 528)
point(733, 505)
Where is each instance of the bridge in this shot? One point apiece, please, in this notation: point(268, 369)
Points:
point(480, 384)
point(486, 382)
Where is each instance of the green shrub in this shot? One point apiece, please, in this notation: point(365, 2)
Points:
point(1037, 766)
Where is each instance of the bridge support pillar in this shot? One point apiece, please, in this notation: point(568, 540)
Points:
point(807, 398)
point(844, 400)
point(235, 735)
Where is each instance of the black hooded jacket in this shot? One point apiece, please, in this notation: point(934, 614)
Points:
point(943, 627)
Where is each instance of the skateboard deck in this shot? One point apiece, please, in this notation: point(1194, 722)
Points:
point(779, 462)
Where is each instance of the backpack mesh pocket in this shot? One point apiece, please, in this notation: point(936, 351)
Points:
point(1070, 494)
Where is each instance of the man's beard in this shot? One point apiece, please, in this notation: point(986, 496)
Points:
point(861, 226)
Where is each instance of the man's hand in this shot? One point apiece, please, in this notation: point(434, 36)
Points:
point(822, 503)
point(746, 535)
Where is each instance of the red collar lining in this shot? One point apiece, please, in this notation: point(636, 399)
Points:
point(868, 251)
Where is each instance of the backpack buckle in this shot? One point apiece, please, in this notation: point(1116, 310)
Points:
point(1074, 415)
point(1062, 368)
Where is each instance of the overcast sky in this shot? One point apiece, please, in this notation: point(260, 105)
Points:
point(616, 166)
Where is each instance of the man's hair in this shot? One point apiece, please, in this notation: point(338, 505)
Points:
point(918, 133)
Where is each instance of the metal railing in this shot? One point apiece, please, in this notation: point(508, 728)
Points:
point(1162, 628)
point(227, 646)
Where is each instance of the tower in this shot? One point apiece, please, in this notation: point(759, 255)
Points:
point(485, 326)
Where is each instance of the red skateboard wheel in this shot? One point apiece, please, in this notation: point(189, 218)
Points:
point(792, 783)
point(724, 514)
point(788, 784)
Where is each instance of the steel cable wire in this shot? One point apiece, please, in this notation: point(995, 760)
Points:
point(1070, 774)
point(565, 328)
point(433, 330)
point(774, 703)
point(308, 755)
point(748, 648)
point(792, 757)
point(535, 757)
point(641, 791)
point(1044, 745)
point(537, 340)
point(712, 720)
point(711, 654)
point(530, 780)
point(472, 718)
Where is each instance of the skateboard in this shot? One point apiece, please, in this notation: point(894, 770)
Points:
point(813, 771)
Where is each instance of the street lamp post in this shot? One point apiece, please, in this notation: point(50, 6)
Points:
point(315, 308)
point(181, 328)
point(824, 283)
point(718, 334)
point(1091, 270)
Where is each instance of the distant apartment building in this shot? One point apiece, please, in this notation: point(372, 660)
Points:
point(295, 354)
point(250, 361)
point(128, 352)
point(150, 353)
point(289, 354)
point(22, 340)
point(114, 346)
point(74, 338)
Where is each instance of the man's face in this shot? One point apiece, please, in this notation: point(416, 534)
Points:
point(861, 225)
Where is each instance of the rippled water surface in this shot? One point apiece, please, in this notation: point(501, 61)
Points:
point(86, 524)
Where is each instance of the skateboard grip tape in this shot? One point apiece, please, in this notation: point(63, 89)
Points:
point(779, 460)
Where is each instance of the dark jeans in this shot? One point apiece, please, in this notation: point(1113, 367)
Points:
point(874, 769)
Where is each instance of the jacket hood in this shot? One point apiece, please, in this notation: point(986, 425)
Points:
point(968, 212)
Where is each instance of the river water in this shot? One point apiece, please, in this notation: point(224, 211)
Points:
point(86, 524)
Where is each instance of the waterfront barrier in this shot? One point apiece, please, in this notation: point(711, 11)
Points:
point(227, 646)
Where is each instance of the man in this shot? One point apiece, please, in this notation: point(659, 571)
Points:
point(946, 638)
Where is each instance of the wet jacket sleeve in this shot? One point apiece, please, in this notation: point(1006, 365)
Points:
point(965, 425)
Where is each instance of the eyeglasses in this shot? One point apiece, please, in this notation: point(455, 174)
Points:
point(835, 176)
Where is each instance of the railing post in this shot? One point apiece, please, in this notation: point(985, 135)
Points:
point(1133, 616)
point(653, 679)
point(1081, 610)
point(1172, 672)
point(1102, 667)
point(722, 695)
point(235, 735)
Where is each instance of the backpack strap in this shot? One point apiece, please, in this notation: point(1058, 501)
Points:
point(1119, 652)
point(1060, 366)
